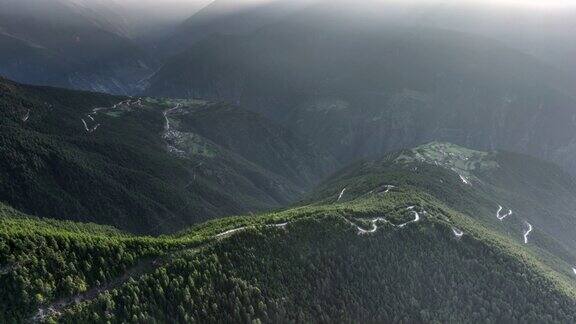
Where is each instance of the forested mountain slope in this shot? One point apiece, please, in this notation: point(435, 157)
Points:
point(133, 163)
point(371, 252)
point(376, 88)
point(508, 193)
point(254, 138)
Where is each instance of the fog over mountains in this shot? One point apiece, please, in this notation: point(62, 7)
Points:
point(163, 29)
point(287, 161)
point(362, 80)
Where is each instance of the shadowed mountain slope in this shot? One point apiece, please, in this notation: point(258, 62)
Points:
point(133, 163)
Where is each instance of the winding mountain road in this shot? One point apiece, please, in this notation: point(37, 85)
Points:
point(281, 225)
point(458, 233)
point(232, 231)
point(374, 223)
point(374, 228)
point(388, 188)
point(341, 194)
point(527, 233)
point(416, 217)
point(89, 129)
point(95, 111)
point(25, 118)
point(501, 217)
point(167, 120)
point(85, 125)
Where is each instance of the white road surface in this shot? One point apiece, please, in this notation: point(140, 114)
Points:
point(341, 194)
point(374, 223)
point(416, 218)
point(527, 233)
point(25, 118)
point(88, 129)
point(166, 112)
point(281, 225)
point(374, 227)
point(235, 230)
point(232, 231)
point(458, 233)
point(502, 216)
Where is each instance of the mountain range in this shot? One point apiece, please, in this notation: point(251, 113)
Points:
point(462, 242)
point(302, 161)
point(90, 181)
point(383, 91)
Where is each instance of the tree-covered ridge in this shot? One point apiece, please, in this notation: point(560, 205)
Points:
point(42, 263)
point(507, 193)
point(317, 262)
point(112, 160)
point(361, 248)
point(320, 270)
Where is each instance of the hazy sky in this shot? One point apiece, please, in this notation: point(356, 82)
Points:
point(537, 4)
point(532, 3)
